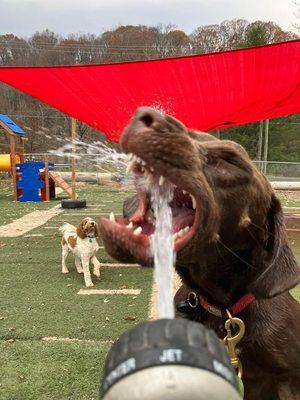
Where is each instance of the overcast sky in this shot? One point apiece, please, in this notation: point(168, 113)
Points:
point(24, 17)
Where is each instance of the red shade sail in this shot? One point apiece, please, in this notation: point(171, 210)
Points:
point(205, 92)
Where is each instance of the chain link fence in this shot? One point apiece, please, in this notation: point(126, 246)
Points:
point(280, 170)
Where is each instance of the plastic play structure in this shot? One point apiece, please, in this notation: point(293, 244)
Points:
point(32, 181)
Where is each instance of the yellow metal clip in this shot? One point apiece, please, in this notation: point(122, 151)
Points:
point(231, 341)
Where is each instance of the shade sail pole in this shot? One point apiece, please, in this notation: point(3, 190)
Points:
point(260, 142)
point(266, 146)
point(73, 136)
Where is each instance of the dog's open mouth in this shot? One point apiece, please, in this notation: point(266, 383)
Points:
point(133, 235)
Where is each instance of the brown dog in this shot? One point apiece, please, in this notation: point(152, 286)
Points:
point(230, 241)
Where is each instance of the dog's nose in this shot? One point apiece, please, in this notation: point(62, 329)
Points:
point(92, 223)
point(148, 116)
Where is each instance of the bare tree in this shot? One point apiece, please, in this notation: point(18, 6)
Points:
point(297, 15)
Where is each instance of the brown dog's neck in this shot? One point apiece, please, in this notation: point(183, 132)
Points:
point(222, 281)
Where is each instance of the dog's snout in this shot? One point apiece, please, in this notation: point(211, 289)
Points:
point(93, 223)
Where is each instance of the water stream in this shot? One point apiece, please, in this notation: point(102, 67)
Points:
point(162, 248)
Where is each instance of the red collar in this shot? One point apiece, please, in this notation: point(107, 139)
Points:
point(237, 307)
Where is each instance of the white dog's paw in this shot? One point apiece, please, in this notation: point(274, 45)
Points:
point(80, 270)
point(96, 272)
point(65, 271)
point(89, 284)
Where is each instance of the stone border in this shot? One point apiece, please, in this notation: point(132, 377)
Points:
point(28, 222)
point(89, 292)
point(53, 339)
point(112, 265)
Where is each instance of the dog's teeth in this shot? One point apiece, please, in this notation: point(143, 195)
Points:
point(112, 217)
point(137, 231)
point(193, 201)
point(180, 233)
point(161, 180)
point(186, 229)
point(130, 156)
point(151, 169)
point(130, 225)
point(175, 236)
point(129, 167)
point(143, 163)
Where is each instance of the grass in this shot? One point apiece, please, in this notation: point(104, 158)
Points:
point(286, 202)
point(56, 371)
point(37, 301)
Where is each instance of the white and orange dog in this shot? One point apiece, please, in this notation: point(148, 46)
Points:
point(82, 242)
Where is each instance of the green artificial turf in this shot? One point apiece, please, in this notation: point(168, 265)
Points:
point(286, 202)
point(33, 369)
point(38, 301)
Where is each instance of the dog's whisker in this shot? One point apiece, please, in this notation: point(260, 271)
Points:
point(235, 254)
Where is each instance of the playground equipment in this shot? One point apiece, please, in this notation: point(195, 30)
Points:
point(34, 181)
point(5, 162)
point(16, 143)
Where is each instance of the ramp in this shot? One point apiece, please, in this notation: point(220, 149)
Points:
point(61, 183)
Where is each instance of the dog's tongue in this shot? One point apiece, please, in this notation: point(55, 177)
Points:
point(138, 216)
point(182, 217)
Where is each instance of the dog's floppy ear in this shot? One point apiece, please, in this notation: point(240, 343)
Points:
point(227, 163)
point(276, 265)
point(80, 230)
point(97, 233)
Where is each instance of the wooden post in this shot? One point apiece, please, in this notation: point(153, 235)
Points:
point(47, 178)
point(260, 141)
point(73, 135)
point(13, 164)
point(22, 148)
point(266, 146)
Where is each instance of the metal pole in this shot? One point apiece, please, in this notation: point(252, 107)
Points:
point(266, 145)
point(73, 135)
point(260, 141)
